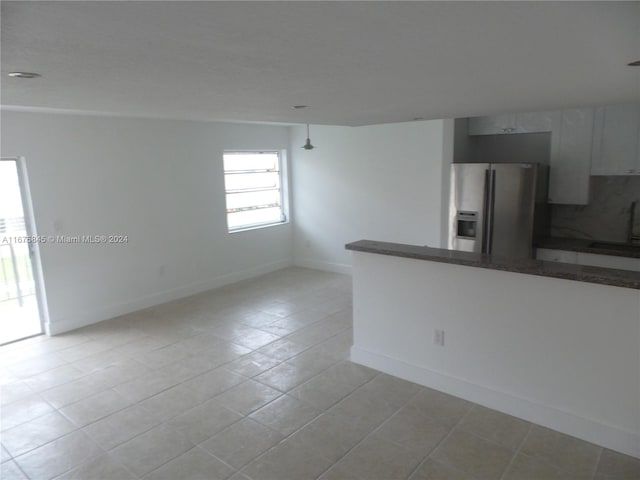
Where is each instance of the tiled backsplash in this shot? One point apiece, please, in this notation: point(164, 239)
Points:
point(607, 215)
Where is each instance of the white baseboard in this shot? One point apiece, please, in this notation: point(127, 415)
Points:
point(587, 429)
point(60, 325)
point(323, 265)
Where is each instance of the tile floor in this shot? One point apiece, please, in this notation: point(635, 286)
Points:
point(252, 381)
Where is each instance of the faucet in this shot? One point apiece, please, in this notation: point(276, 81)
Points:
point(631, 238)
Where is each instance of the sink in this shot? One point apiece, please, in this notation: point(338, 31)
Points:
point(620, 247)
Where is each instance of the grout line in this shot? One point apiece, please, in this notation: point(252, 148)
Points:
point(544, 461)
point(195, 446)
point(335, 462)
point(77, 430)
point(444, 439)
point(235, 470)
point(595, 469)
point(19, 468)
point(517, 451)
point(375, 428)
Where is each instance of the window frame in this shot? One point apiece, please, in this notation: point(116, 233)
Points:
point(283, 190)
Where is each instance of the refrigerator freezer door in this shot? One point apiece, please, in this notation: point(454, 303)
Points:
point(511, 209)
point(467, 206)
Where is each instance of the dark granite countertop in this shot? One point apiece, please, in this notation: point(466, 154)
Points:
point(589, 246)
point(581, 273)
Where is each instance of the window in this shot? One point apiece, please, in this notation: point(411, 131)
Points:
point(253, 187)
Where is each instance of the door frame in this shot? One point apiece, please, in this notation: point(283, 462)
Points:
point(34, 247)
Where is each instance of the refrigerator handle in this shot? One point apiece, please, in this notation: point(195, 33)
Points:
point(486, 222)
point(490, 211)
point(492, 204)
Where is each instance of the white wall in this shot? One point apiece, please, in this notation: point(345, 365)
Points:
point(560, 353)
point(382, 182)
point(158, 181)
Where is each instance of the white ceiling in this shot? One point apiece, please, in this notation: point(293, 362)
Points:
point(353, 63)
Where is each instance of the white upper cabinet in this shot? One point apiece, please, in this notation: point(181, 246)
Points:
point(571, 146)
point(570, 161)
point(616, 140)
point(535, 122)
point(493, 124)
point(531, 122)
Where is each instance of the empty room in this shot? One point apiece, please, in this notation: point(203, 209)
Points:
point(320, 240)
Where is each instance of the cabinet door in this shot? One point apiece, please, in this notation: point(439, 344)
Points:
point(563, 256)
point(609, 261)
point(570, 162)
point(616, 140)
point(492, 124)
point(534, 122)
point(599, 165)
point(637, 172)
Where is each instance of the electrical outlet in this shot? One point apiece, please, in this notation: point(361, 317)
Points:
point(438, 337)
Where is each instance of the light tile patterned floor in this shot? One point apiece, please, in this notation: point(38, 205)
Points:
point(252, 381)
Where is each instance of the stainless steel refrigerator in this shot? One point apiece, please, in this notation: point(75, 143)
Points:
point(497, 208)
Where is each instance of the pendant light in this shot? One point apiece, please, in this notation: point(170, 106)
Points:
point(24, 75)
point(307, 145)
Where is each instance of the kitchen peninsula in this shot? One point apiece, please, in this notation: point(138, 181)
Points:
point(552, 343)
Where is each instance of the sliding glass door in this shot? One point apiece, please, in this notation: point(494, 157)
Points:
point(19, 306)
